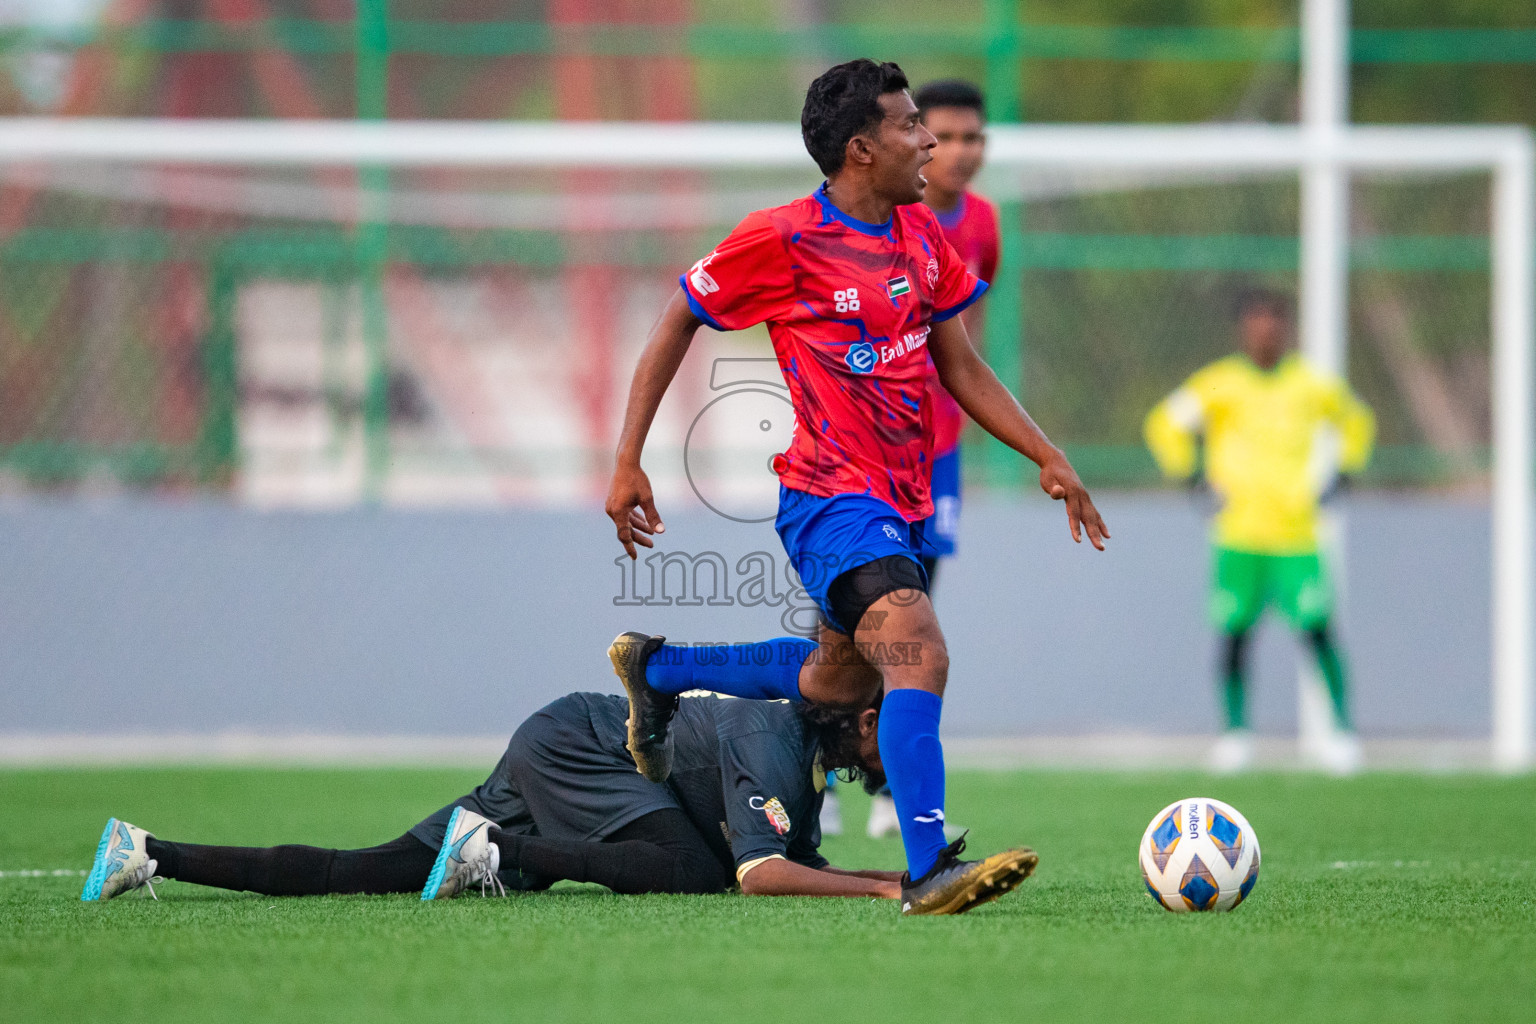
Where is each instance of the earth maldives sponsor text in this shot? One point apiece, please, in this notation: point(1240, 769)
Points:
point(909, 342)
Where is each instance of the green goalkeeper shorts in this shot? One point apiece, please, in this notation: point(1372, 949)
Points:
point(1246, 583)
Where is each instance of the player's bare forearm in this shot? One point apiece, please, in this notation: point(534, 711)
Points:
point(884, 876)
point(630, 504)
point(663, 354)
point(967, 377)
point(975, 320)
point(786, 878)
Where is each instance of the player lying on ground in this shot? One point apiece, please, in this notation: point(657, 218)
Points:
point(1261, 413)
point(565, 802)
point(857, 286)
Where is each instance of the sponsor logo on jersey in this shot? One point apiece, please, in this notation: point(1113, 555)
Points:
point(933, 273)
point(699, 277)
point(909, 342)
point(847, 300)
point(773, 810)
point(861, 357)
point(890, 531)
point(898, 286)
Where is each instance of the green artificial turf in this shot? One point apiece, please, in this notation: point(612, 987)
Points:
point(1383, 898)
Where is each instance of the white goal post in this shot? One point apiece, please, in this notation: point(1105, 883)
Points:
point(1328, 149)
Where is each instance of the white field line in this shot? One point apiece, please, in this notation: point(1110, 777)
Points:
point(1352, 865)
point(1092, 752)
point(1349, 865)
point(124, 749)
point(45, 873)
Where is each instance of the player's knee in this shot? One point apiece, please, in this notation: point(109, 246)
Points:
point(856, 692)
point(1234, 652)
point(837, 675)
point(933, 659)
point(919, 660)
point(294, 870)
point(932, 651)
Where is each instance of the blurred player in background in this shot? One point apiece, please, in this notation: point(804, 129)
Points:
point(857, 286)
point(564, 803)
point(956, 113)
point(1264, 417)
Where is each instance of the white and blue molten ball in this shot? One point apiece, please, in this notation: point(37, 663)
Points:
point(1199, 854)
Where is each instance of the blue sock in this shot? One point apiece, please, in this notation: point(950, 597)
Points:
point(914, 767)
point(766, 671)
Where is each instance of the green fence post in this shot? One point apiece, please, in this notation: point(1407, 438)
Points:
point(1004, 324)
point(372, 244)
point(217, 444)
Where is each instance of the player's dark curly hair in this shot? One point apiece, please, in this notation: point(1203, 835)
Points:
point(843, 102)
point(837, 732)
point(950, 92)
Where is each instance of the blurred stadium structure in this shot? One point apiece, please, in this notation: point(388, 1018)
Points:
point(456, 330)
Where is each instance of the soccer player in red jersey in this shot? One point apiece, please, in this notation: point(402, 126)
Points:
point(857, 286)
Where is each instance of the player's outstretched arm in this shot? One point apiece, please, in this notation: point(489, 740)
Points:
point(779, 877)
point(1171, 430)
point(966, 376)
point(1357, 430)
point(630, 504)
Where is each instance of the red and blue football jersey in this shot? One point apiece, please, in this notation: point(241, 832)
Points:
point(849, 306)
point(972, 229)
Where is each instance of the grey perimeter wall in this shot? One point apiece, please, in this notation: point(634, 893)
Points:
point(157, 617)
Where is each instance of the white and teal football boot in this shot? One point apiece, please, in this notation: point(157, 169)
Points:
point(122, 863)
point(466, 857)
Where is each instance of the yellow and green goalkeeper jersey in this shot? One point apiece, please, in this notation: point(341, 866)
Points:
point(1267, 451)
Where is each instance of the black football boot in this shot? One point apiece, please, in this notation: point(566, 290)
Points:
point(650, 710)
point(953, 886)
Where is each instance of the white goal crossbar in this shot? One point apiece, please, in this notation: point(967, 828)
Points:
point(1506, 153)
point(730, 145)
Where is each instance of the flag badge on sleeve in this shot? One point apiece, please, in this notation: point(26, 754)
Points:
point(898, 286)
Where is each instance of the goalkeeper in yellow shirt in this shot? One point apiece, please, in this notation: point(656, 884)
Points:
point(1265, 418)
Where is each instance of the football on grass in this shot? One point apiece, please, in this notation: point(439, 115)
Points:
point(1199, 854)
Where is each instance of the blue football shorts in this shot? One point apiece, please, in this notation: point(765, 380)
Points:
point(941, 530)
point(826, 537)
